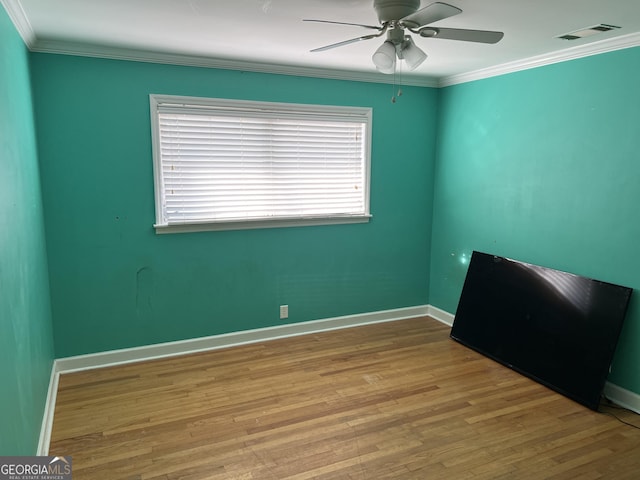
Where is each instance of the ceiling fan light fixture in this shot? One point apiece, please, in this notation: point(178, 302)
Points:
point(398, 17)
point(412, 54)
point(384, 57)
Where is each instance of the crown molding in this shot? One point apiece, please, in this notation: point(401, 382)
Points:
point(573, 53)
point(23, 26)
point(137, 55)
point(149, 56)
point(20, 21)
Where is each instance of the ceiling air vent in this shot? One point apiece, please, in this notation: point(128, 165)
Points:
point(587, 32)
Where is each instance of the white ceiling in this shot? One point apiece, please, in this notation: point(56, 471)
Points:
point(271, 33)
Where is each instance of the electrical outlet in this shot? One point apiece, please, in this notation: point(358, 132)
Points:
point(284, 311)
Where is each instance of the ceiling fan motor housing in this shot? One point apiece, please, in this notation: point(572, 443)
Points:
point(389, 10)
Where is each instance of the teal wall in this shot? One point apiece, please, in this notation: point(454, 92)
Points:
point(543, 166)
point(26, 341)
point(539, 165)
point(115, 283)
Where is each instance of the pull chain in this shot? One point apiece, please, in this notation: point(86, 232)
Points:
point(393, 87)
point(394, 95)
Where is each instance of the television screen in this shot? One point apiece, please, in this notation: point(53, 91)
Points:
point(557, 328)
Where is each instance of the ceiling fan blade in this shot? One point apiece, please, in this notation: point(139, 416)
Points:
point(430, 14)
point(373, 27)
point(479, 36)
point(345, 42)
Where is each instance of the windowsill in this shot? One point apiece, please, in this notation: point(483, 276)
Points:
point(260, 223)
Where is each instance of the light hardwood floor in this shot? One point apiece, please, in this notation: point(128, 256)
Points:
point(393, 400)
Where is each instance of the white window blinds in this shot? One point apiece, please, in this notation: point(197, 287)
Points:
point(221, 161)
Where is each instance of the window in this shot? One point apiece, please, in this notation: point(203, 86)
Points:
point(230, 164)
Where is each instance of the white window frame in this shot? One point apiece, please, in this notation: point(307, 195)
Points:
point(182, 104)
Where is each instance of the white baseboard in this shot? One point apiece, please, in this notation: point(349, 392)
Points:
point(170, 349)
point(440, 315)
point(182, 347)
point(619, 395)
point(622, 397)
point(47, 416)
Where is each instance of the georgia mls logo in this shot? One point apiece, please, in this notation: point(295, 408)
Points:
point(35, 468)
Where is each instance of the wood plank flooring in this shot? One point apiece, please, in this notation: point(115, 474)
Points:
point(396, 400)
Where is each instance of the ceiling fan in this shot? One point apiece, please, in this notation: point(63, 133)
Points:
point(396, 17)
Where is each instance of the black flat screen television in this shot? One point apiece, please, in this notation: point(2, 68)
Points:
point(557, 328)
